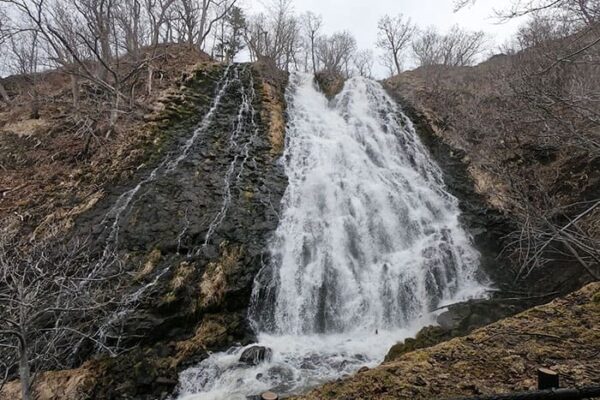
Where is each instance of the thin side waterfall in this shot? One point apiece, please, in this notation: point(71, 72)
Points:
point(119, 214)
point(119, 210)
point(241, 151)
point(369, 241)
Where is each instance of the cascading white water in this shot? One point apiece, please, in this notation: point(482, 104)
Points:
point(368, 243)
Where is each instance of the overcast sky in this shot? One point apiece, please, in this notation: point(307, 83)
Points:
point(360, 16)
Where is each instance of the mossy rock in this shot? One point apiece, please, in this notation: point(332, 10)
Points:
point(331, 84)
point(427, 337)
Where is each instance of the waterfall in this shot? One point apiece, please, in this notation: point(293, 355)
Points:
point(369, 241)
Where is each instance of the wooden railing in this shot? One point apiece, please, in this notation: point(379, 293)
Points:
point(548, 389)
point(591, 392)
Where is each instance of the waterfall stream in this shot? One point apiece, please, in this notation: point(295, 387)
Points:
point(368, 243)
point(183, 161)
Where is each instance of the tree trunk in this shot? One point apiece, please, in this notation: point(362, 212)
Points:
point(75, 90)
point(312, 50)
point(150, 77)
point(105, 49)
point(397, 62)
point(3, 94)
point(203, 16)
point(35, 103)
point(24, 372)
point(114, 115)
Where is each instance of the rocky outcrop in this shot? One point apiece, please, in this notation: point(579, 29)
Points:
point(503, 357)
point(209, 217)
point(190, 228)
point(330, 83)
point(255, 355)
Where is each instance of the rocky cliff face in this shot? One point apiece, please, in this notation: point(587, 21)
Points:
point(189, 231)
point(193, 224)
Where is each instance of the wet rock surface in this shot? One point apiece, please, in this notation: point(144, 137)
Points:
point(207, 212)
point(256, 355)
point(188, 234)
point(458, 320)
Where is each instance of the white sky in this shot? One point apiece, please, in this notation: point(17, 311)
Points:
point(360, 16)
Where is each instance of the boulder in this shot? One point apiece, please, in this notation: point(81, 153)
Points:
point(255, 355)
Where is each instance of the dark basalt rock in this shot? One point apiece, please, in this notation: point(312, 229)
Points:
point(162, 236)
point(256, 355)
point(174, 212)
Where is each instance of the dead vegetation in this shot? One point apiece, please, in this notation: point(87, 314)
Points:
point(48, 171)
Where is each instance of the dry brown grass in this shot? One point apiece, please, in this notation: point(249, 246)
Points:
point(45, 172)
point(503, 357)
point(151, 262)
point(215, 279)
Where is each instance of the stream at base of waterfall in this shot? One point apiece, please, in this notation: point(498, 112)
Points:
point(369, 241)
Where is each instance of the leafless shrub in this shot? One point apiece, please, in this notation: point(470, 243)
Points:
point(456, 48)
point(52, 297)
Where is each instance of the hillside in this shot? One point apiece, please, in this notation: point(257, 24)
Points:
point(56, 165)
point(180, 202)
point(126, 202)
point(504, 357)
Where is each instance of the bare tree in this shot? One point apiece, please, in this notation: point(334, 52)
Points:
point(275, 35)
point(131, 23)
point(198, 18)
point(457, 48)
point(541, 29)
point(363, 62)
point(585, 12)
point(547, 83)
point(312, 24)
point(49, 302)
point(427, 47)
point(255, 36)
point(157, 12)
point(25, 56)
point(4, 36)
point(336, 52)
point(394, 36)
point(461, 47)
